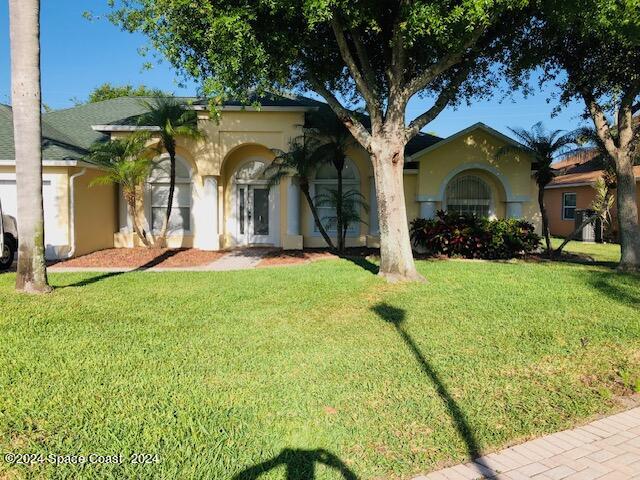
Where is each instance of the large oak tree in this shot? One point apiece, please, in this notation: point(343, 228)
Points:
point(375, 53)
point(591, 50)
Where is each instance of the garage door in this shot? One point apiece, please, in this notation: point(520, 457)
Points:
point(55, 233)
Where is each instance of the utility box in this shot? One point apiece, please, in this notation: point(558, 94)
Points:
point(593, 232)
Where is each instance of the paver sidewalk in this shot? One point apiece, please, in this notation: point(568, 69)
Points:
point(606, 449)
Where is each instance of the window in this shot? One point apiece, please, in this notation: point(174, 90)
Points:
point(469, 195)
point(569, 206)
point(326, 180)
point(158, 184)
point(253, 170)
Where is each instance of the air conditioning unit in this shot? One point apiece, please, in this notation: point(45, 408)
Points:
point(593, 232)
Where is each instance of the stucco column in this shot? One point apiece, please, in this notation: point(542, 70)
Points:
point(293, 240)
point(514, 209)
point(293, 207)
point(428, 209)
point(207, 216)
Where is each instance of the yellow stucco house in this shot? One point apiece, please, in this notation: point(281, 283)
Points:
point(222, 200)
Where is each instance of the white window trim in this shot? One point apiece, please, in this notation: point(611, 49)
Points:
point(354, 230)
point(564, 206)
point(148, 187)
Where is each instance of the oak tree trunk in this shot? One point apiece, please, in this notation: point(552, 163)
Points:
point(627, 214)
point(339, 224)
point(396, 255)
point(25, 97)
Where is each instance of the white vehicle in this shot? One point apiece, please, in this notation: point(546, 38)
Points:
point(8, 240)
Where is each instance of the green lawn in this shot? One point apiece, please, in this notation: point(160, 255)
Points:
point(227, 374)
point(600, 252)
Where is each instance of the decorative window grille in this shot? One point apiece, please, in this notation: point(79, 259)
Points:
point(469, 195)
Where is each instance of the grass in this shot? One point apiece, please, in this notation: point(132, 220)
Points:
point(600, 252)
point(314, 372)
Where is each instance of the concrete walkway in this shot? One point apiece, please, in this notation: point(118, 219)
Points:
point(241, 259)
point(607, 449)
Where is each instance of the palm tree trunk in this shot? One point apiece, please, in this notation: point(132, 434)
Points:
point(573, 234)
point(25, 96)
point(162, 238)
point(545, 218)
point(305, 191)
point(142, 234)
point(339, 217)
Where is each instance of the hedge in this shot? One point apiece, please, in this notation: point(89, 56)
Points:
point(468, 236)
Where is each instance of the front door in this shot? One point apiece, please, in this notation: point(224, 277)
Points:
point(253, 214)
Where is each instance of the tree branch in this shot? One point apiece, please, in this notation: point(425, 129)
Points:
point(421, 81)
point(396, 73)
point(625, 115)
point(603, 128)
point(447, 94)
point(357, 129)
point(367, 90)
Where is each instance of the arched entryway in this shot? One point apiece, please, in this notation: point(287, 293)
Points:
point(254, 206)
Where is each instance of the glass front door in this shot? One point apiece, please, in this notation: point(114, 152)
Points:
point(253, 214)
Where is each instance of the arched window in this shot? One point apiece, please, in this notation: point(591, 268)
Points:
point(469, 195)
point(252, 170)
point(158, 186)
point(326, 180)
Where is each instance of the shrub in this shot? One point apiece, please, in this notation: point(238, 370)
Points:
point(469, 236)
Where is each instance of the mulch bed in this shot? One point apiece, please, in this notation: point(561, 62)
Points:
point(143, 258)
point(295, 257)
point(292, 257)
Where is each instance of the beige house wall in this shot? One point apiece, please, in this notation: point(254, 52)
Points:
point(242, 136)
point(96, 212)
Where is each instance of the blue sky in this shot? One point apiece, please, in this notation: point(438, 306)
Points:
point(78, 55)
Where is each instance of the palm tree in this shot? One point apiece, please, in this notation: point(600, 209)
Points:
point(353, 203)
point(299, 160)
point(334, 140)
point(546, 147)
point(24, 18)
point(126, 166)
point(172, 120)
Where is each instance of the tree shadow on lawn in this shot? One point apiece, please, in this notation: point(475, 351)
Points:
point(363, 263)
point(300, 465)
point(397, 317)
point(611, 284)
point(150, 264)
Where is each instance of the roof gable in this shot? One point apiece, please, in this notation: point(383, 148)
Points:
point(477, 126)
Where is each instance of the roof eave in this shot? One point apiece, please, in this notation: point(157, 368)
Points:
point(57, 163)
point(124, 128)
point(240, 108)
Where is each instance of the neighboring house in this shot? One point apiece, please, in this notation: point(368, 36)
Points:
point(572, 189)
point(223, 201)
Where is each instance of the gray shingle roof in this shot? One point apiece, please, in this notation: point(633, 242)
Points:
point(55, 144)
point(67, 134)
